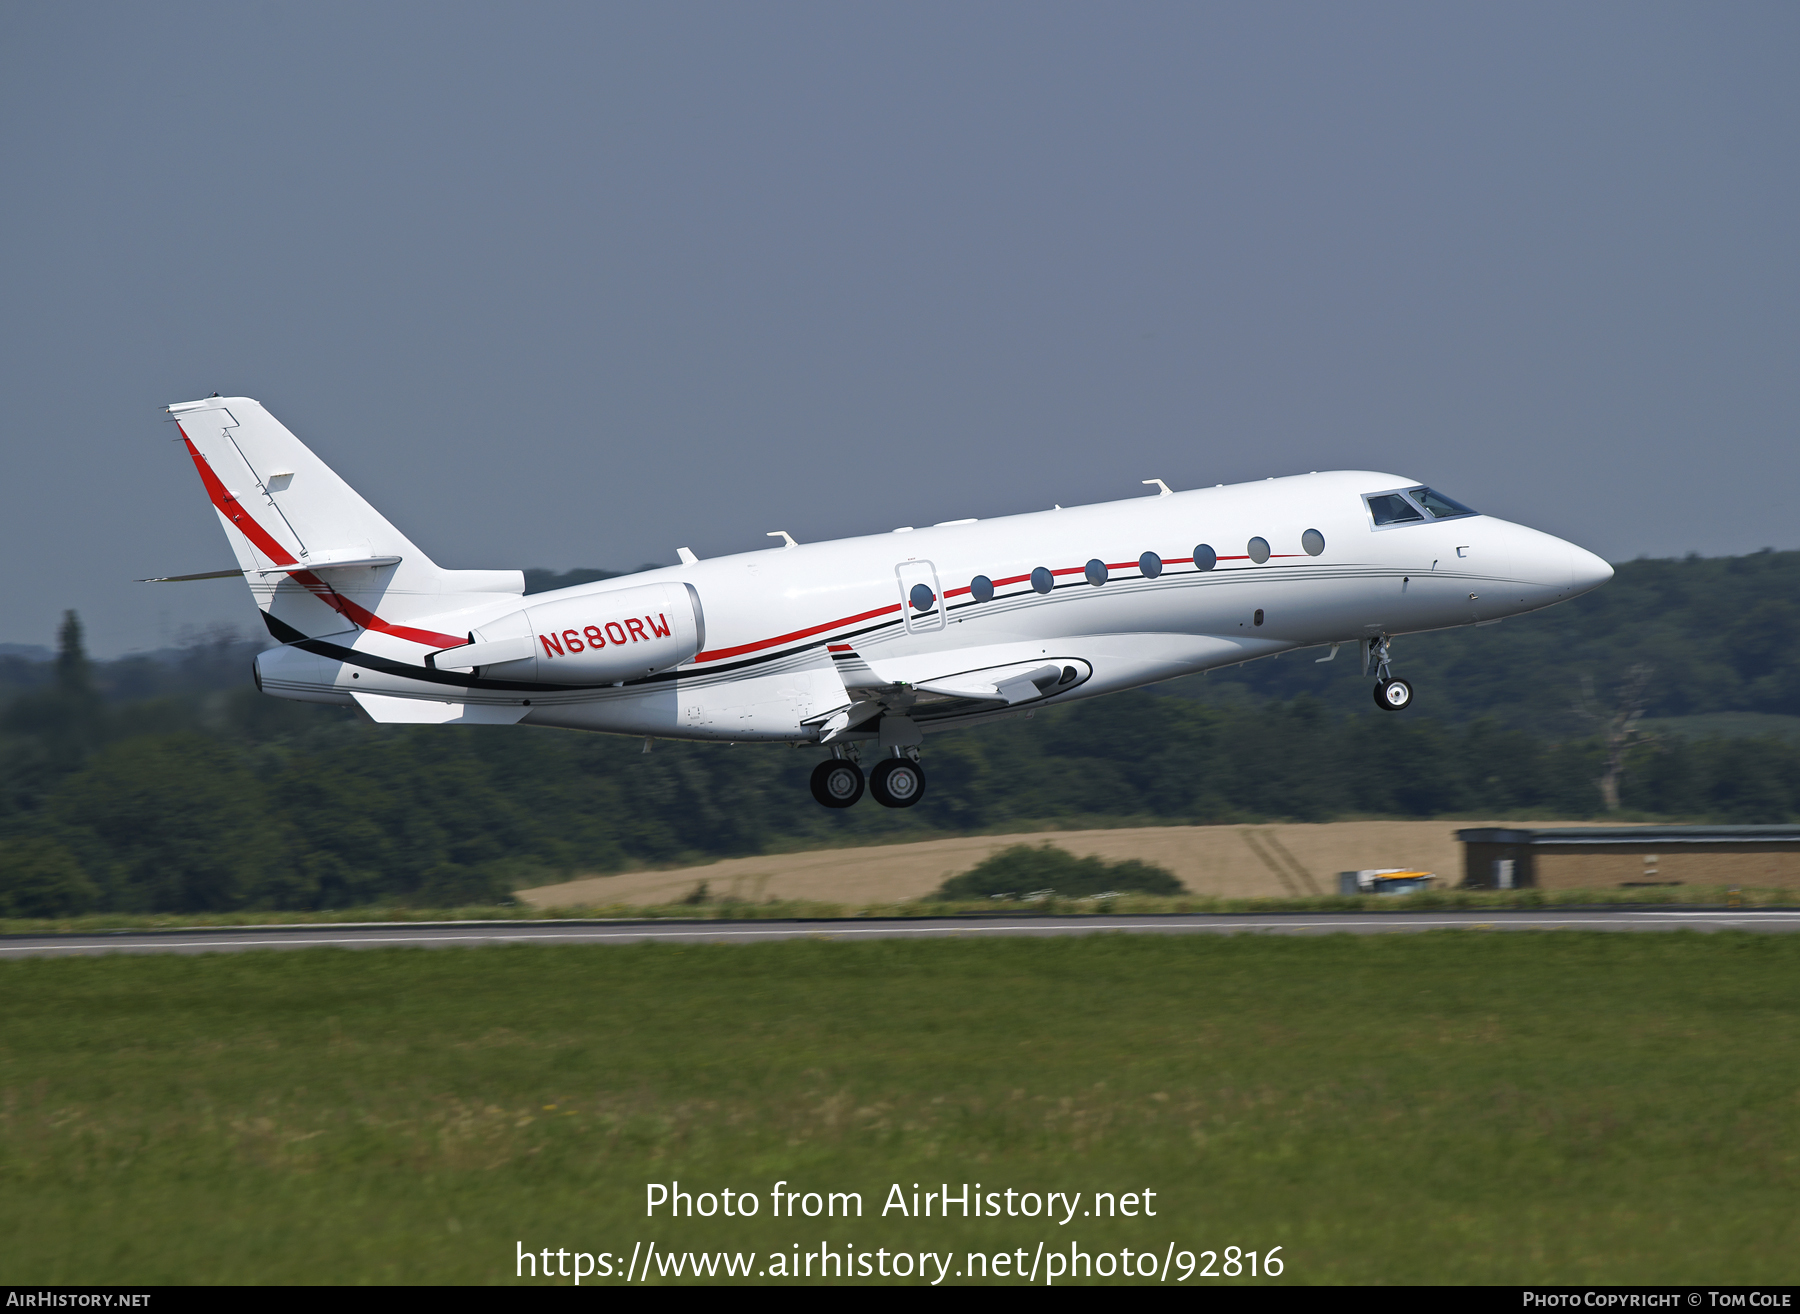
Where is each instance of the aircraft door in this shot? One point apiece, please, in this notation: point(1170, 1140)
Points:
point(921, 598)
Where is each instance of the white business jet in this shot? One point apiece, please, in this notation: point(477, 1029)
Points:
point(863, 643)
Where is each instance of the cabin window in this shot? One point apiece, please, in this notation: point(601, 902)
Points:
point(1095, 570)
point(1313, 541)
point(981, 588)
point(1150, 565)
point(1258, 548)
point(1392, 509)
point(1042, 580)
point(1441, 507)
point(923, 599)
point(1258, 616)
point(1204, 557)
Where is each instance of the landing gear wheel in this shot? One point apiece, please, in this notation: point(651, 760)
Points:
point(1393, 695)
point(897, 782)
point(837, 782)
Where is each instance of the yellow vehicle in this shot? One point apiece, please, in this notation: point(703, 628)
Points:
point(1384, 880)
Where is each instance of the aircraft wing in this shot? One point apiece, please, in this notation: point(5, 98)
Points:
point(977, 674)
point(1005, 684)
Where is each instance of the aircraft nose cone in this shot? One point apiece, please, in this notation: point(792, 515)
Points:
point(1586, 571)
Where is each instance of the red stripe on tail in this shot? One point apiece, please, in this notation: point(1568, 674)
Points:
point(246, 524)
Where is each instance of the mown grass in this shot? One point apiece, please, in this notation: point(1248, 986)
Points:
point(1684, 896)
point(1441, 1107)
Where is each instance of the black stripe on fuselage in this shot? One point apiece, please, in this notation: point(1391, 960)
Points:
point(423, 674)
point(287, 634)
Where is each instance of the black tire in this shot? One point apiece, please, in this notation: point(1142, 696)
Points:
point(837, 782)
point(897, 782)
point(1393, 695)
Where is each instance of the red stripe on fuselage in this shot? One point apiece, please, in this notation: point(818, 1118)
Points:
point(368, 620)
point(246, 524)
point(717, 654)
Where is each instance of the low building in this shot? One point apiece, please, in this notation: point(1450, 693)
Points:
point(1613, 857)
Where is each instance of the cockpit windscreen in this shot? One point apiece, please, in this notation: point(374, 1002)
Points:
point(1392, 509)
point(1441, 507)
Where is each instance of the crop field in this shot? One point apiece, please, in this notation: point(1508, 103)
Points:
point(1440, 1107)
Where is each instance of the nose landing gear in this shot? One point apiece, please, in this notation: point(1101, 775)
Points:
point(1392, 694)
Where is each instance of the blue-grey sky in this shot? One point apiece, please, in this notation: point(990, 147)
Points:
point(565, 285)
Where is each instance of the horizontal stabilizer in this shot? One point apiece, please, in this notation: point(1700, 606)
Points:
point(329, 561)
point(182, 579)
point(323, 562)
point(427, 711)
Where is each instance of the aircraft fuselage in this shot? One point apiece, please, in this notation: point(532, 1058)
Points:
point(772, 618)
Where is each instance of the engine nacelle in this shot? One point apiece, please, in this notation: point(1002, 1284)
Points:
point(598, 638)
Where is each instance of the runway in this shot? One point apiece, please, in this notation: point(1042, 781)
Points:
point(440, 935)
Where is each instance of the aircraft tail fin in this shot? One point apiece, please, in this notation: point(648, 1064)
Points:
point(318, 558)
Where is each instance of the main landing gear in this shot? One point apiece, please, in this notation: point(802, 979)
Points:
point(1392, 694)
point(895, 782)
point(837, 782)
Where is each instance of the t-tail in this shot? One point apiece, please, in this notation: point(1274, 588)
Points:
point(319, 560)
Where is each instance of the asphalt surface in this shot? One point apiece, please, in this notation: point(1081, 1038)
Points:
point(437, 935)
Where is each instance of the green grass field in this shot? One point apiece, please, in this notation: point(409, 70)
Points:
point(1443, 1107)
